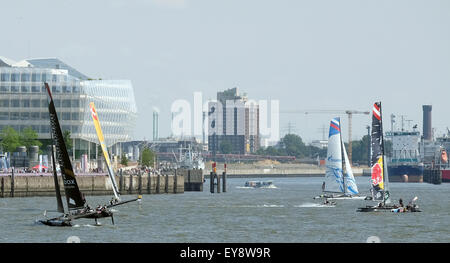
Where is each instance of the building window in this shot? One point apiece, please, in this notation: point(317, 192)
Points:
point(4, 88)
point(45, 116)
point(5, 77)
point(15, 77)
point(66, 103)
point(76, 89)
point(25, 89)
point(75, 103)
point(66, 89)
point(4, 103)
point(4, 115)
point(35, 89)
point(15, 89)
point(36, 77)
point(45, 128)
point(75, 116)
point(44, 77)
point(24, 115)
point(56, 89)
point(35, 116)
point(65, 116)
point(75, 129)
point(25, 77)
point(36, 103)
point(57, 103)
point(54, 78)
point(15, 103)
point(15, 116)
point(25, 103)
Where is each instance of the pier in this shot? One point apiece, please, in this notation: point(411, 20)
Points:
point(168, 182)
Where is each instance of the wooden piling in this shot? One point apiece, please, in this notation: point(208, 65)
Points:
point(158, 181)
point(149, 183)
point(120, 180)
point(211, 182)
point(12, 183)
point(218, 182)
point(166, 185)
point(139, 182)
point(130, 187)
point(224, 182)
point(2, 187)
point(175, 182)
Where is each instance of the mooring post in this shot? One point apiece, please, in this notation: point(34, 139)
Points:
point(139, 182)
point(120, 180)
point(166, 185)
point(175, 180)
point(158, 181)
point(149, 183)
point(218, 182)
point(12, 183)
point(130, 187)
point(3, 187)
point(211, 182)
point(224, 178)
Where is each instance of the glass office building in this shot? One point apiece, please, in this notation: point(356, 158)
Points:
point(23, 103)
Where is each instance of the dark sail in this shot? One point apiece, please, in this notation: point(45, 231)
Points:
point(377, 161)
point(74, 197)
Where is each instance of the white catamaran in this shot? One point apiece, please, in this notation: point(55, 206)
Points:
point(339, 182)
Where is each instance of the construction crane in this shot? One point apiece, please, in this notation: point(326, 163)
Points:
point(349, 113)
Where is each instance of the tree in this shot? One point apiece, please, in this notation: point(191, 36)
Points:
point(294, 146)
point(28, 137)
point(10, 139)
point(68, 140)
point(124, 160)
point(147, 157)
point(225, 147)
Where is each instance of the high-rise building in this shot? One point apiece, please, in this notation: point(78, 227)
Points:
point(23, 103)
point(155, 125)
point(233, 123)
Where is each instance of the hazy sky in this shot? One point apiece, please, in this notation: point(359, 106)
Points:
point(315, 54)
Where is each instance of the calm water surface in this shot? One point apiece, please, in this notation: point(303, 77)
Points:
point(286, 213)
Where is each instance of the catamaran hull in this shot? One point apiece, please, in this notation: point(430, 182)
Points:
point(385, 209)
point(55, 222)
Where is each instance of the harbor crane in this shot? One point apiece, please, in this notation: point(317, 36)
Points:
point(349, 113)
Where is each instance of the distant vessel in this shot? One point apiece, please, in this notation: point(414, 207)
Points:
point(405, 165)
point(339, 181)
point(259, 184)
point(189, 159)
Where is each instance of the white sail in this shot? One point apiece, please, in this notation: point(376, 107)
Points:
point(349, 179)
point(333, 174)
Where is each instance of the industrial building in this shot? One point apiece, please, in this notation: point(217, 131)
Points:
point(233, 121)
point(23, 103)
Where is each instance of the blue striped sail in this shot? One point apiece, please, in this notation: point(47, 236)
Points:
point(333, 173)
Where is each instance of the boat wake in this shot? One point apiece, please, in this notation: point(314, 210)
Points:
point(310, 205)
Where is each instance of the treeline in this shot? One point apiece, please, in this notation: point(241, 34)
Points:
point(293, 145)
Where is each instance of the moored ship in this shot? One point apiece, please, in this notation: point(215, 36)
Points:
point(405, 164)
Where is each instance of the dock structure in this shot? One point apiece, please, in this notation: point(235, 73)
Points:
point(215, 182)
point(168, 182)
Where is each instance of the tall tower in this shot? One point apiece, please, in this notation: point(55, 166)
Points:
point(155, 125)
point(427, 129)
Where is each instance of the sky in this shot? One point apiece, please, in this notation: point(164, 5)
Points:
point(309, 55)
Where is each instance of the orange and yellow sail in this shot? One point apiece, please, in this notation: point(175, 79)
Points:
point(101, 140)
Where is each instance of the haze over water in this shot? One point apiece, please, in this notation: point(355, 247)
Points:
point(283, 214)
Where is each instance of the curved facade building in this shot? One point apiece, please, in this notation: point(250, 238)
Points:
point(23, 102)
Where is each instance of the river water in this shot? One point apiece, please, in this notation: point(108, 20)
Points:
point(286, 213)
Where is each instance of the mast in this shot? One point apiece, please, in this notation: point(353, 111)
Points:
point(55, 178)
point(385, 173)
point(342, 155)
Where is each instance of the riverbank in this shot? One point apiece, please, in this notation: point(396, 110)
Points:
point(262, 169)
